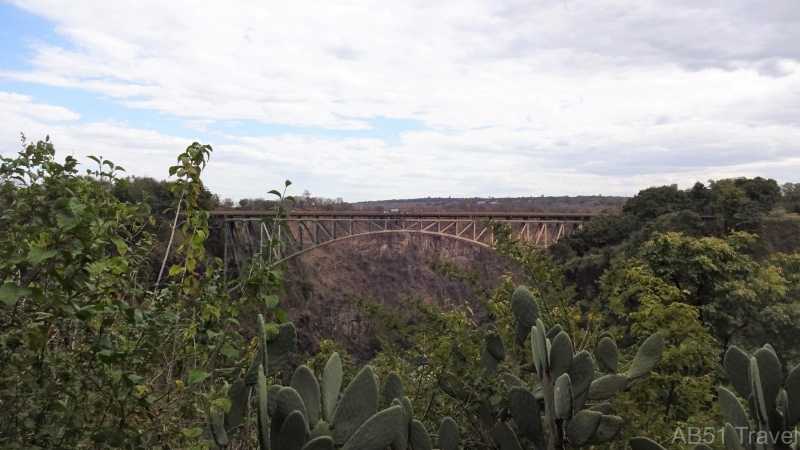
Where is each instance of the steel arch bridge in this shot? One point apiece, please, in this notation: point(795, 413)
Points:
point(246, 233)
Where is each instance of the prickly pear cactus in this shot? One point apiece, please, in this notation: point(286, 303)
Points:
point(774, 409)
point(566, 381)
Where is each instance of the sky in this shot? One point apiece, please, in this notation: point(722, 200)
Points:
point(370, 100)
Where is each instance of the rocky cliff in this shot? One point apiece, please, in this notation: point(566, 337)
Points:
point(321, 284)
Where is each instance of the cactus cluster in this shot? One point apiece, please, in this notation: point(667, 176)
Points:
point(565, 382)
point(775, 410)
point(312, 415)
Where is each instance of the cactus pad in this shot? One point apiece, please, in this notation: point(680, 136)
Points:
point(506, 437)
point(359, 402)
point(606, 386)
point(393, 387)
point(642, 443)
point(331, 385)
point(305, 383)
point(293, 432)
point(524, 307)
point(238, 395)
point(563, 397)
point(607, 355)
point(583, 426)
point(319, 443)
point(608, 429)
point(560, 355)
point(448, 434)
point(419, 437)
point(288, 400)
point(378, 431)
point(262, 418)
point(647, 357)
point(281, 348)
point(525, 410)
point(737, 366)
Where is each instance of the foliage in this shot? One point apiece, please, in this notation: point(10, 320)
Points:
point(656, 201)
point(679, 392)
point(90, 351)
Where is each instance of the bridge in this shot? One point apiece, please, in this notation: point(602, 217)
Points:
point(247, 233)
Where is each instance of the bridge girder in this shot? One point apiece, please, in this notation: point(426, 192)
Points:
point(246, 236)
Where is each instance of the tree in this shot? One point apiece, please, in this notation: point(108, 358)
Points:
point(655, 201)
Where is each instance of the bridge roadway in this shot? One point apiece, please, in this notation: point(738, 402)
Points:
point(248, 233)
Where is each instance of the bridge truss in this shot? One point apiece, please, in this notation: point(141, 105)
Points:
point(247, 233)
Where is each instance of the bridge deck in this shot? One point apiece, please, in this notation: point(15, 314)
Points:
point(240, 214)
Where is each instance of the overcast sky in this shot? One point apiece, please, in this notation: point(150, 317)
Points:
point(375, 99)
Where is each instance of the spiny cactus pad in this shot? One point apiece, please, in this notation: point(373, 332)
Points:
point(506, 437)
point(305, 383)
point(218, 429)
point(294, 432)
point(272, 398)
point(359, 402)
point(642, 443)
point(560, 355)
point(525, 410)
point(393, 387)
point(582, 427)
point(289, 400)
point(606, 386)
point(262, 419)
point(331, 385)
point(607, 355)
point(378, 431)
point(563, 397)
point(319, 443)
point(419, 437)
point(608, 429)
point(737, 365)
point(281, 348)
point(647, 357)
point(448, 434)
point(524, 307)
point(581, 375)
point(238, 394)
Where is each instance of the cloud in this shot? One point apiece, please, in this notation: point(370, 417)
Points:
point(508, 96)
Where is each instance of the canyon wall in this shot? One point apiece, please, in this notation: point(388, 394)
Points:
point(321, 284)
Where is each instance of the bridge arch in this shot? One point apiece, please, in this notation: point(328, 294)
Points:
point(372, 233)
point(246, 232)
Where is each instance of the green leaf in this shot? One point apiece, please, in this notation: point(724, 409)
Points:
point(270, 301)
point(174, 270)
point(86, 313)
point(192, 432)
point(122, 247)
point(229, 351)
point(39, 254)
point(10, 293)
point(197, 375)
point(223, 403)
point(272, 330)
point(280, 314)
point(66, 223)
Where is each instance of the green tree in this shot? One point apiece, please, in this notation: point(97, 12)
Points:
point(655, 201)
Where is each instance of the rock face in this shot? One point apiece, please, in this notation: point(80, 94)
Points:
point(386, 268)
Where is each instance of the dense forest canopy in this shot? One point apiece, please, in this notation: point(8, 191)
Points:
point(121, 327)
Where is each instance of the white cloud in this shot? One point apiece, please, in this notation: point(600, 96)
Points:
point(515, 96)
